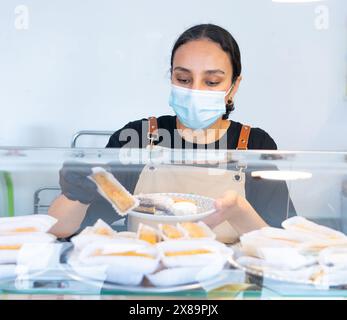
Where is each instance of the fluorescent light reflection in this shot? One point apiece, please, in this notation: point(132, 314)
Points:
point(282, 175)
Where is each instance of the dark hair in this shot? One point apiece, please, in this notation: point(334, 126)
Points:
point(223, 38)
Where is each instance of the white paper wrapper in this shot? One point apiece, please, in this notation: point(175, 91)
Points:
point(286, 235)
point(116, 183)
point(160, 202)
point(209, 234)
point(278, 271)
point(314, 247)
point(253, 242)
point(19, 239)
point(336, 278)
point(302, 251)
point(10, 256)
point(115, 269)
point(184, 208)
point(7, 271)
point(100, 232)
point(124, 264)
point(286, 258)
point(104, 272)
point(144, 229)
point(39, 256)
point(334, 258)
point(127, 235)
point(34, 223)
point(305, 226)
point(179, 276)
point(176, 226)
point(216, 251)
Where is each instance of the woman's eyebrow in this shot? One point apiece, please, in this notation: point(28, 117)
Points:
point(182, 69)
point(215, 71)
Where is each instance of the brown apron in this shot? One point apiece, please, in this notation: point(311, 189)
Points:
point(194, 180)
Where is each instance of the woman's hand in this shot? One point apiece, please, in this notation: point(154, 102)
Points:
point(74, 182)
point(237, 211)
point(77, 193)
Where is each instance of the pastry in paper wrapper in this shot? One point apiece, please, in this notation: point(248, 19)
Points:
point(314, 247)
point(154, 202)
point(294, 236)
point(113, 191)
point(191, 253)
point(127, 235)
point(252, 243)
point(268, 269)
point(197, 230)
point(125, 261)
point(184, 208)
point(185, 275)
point(148, 234)
point(100, 232)
point(303, 251)
point(171, 232)
point(189, 261)
point(305, 226)
point(10, 245)
point(26, 224)
point(334, 258)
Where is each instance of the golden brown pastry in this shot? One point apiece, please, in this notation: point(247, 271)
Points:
point(114, 192)
point(194, 230)
point(148, 234)
point(124, 254)
point(10, 247)
point(186, 252)
point(171, 231)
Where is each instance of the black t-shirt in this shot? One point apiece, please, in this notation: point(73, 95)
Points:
point(170, 138)
point(269, 198)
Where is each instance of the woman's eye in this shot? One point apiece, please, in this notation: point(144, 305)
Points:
point(212, 83)
point(184, 81)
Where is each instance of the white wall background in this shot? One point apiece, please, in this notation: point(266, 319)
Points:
point(97, 64)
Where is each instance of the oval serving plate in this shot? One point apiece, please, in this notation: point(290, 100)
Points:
point(142, 288)
point(232, 259)
point(205, 208)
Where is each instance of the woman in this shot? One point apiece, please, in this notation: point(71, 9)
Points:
point(205, 76)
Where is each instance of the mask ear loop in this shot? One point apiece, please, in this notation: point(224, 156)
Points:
point(229, 105)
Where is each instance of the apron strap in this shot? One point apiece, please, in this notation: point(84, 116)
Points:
point(152, 134)
point(244, 136)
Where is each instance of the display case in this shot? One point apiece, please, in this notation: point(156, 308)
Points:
point(274, 223)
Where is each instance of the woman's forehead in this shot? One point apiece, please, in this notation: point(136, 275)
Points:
point(202, 56)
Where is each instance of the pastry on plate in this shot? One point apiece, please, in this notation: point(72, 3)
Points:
point(184, 208)
point(155, 202)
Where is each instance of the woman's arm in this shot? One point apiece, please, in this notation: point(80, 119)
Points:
point(78, 192)
point(237, 211)
point(69, 214)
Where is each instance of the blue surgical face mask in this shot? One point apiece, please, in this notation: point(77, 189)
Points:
point(197, 109)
